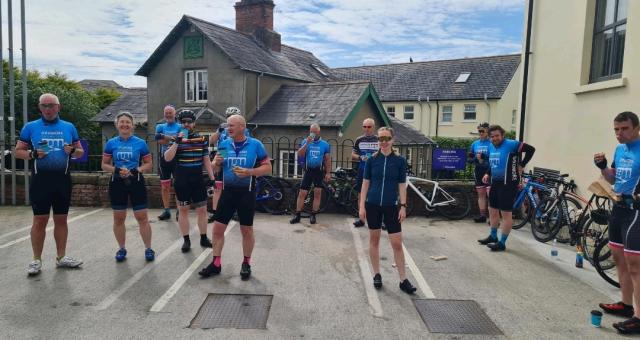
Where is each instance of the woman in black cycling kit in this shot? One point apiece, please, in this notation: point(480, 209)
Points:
point(383, 199)
point(122, 157)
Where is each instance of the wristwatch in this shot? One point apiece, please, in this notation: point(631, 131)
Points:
point(403, 205)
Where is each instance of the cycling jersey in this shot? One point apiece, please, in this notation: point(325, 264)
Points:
point(480, 147)
point(126, 153)
point(56, 133)
point(503, 161)
point(365, 146)
point(166, 129)
point(249, 153)
point(626, 162)
point(314, 156)
point(190, 151)
point(384, 174)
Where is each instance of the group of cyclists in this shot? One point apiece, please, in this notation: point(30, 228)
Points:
point(498, 164)
point(239, 158)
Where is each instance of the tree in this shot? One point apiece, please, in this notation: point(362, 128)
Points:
point(105, 96)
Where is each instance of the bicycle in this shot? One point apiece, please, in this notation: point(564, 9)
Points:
point(452, 203)
point(341, 189)
point(271, 194)
point(603, 262)
point(528, 199)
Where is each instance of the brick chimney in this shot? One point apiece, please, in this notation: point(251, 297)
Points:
point(255, 17)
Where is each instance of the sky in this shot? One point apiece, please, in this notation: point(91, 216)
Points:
point(109, 39)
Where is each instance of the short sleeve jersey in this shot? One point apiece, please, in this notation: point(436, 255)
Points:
point(249, 153)
point(56, 134)
point(126, 153)
point(503, 161)
point(626, 162)
point(314, 157)
point(167, 129)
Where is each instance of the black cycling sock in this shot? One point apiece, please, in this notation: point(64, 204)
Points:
point(186, 238)
point(203, 236)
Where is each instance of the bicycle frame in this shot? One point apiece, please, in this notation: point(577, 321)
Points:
point(430, 201)
point(527, 191)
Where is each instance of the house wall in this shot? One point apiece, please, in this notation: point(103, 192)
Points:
point(268, 86)
point(568, 120)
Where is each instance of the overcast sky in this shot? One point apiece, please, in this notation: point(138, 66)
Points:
point(109, 39)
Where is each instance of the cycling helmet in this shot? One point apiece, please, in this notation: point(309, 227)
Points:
point(186, 114)
point(484, 125)
point(232, 110)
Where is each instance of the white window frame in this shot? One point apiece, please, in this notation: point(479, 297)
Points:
point(194, 90)
point(284, 155)
point(413, 112)
point(475, 113)
point(450, 117)
point(389, 110)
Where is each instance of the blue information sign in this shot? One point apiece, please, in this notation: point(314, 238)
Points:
point(85, 156)
point(449, 159)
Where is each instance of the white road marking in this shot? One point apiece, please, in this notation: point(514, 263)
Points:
point(372, 295)
point(24, 238)
point(22, 229)
point(164, 299)
point(422, 283)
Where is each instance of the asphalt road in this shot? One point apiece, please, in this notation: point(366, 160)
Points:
point(315, 274)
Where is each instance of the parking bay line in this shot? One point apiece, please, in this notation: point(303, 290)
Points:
point(372, 295)
point(164, 299)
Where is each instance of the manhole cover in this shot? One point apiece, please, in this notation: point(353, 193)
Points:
point(455, 317)
point(233, 311)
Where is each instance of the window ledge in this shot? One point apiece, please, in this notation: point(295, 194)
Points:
point(470, 121)
point(602, 85)
point(446, 124)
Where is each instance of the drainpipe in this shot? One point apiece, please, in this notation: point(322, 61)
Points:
point(258, 93)
point(525, 76)
point(421, 117)
point(437, 116)
point(430, 113)
point(488, 109)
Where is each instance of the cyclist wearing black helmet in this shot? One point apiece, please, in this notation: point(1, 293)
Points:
point(190, 150)
point(479, 157)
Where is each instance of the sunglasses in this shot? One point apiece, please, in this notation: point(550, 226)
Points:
point(367, 127)
point(48, 106)
point(385, 138)
point(482, 131)
point(186, 121)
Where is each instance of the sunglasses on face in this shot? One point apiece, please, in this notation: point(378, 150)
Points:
point(482, 131)
point(48, 106)
point(186, 121)
point(385, 138)
point(367, 127)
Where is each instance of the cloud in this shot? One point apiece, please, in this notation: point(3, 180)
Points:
point(109, 39)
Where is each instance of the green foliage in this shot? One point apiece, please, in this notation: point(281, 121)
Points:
point(104, 97)
point(78, 105)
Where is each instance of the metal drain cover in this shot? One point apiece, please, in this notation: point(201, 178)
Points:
point(233, 311)
point(455, 317)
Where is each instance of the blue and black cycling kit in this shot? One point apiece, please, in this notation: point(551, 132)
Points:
point(246, 154)
point(126, 153)
point(505, 159)
point(166, 129)
point(480, 147)
point(384, 174)
point(55, 134)
point(626, 162)
point(365, 146)
point(314, 156)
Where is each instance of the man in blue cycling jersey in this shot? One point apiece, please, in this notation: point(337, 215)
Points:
point(479, 157)
point(165, 134)
point(220, 135)
point(505, 169)
point(317, 155)
point(624, 225)
point(50, 142)
point(241, 159)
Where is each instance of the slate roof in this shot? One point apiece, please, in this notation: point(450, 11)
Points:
point(133, 100)
point(327, 104)
point(436, 79)
point(246, 52)
point(92, 85)
point(406, 134)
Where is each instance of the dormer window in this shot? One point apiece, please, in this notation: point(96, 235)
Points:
point(319, 70)
point(463, 77)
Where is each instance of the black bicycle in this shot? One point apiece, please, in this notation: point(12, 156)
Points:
point(603, 262)
point(341, 190)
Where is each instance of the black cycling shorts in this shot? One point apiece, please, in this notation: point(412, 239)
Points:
point(189, 186)
point(478, 173)
point(167, 169)
point(315, 176)
point(121, 191)
point(501, 196)
point(387, 214)
point(624, 229)
point(241, 200)
point(50, 190)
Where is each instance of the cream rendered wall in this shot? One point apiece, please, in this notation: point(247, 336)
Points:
point(568, 120)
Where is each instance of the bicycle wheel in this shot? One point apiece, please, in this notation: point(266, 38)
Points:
point(544, 220)
point(347, 196)
point(592, 233)
point(271, 196)
point(522, 214)
point(574, 207)
point(287, 190)
point(308, 202)
point(457, 209)
point(603, 262)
